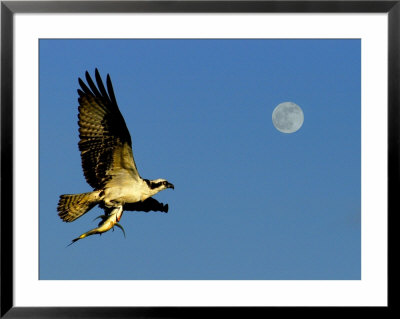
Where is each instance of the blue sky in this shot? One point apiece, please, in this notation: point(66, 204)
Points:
point(249, 202)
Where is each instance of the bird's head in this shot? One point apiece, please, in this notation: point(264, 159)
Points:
point(160, 184)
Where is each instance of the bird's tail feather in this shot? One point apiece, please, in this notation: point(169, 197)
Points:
point(73, 206)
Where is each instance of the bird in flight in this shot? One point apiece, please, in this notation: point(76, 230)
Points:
point(108, 164)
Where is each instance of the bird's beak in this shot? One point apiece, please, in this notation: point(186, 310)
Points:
point(169, 185)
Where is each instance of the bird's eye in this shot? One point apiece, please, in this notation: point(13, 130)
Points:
point(164, 183)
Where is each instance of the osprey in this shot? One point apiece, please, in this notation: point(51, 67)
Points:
point(107, 161)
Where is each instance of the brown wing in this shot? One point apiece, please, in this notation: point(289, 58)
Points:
point(149, 204)
point(105, 142)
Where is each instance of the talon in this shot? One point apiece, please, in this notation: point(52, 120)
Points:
point(108, 221)
point(120, 227)
point(101, 216)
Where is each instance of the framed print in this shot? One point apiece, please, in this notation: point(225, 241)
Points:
point(246, 150)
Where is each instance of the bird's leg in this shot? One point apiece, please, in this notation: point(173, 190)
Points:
point(106, 224)
point(119, 214)
point(112, 205)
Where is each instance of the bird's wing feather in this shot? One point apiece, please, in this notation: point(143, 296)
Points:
point(105, 142)
point(149, 204)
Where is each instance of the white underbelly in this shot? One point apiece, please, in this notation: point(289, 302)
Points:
point(119, 193)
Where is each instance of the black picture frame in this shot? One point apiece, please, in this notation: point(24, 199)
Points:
point(9, 8)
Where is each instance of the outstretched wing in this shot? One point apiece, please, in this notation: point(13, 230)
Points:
point(149, 204)
point(105, 142)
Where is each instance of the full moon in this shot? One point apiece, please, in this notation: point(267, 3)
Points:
point(287, 117)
